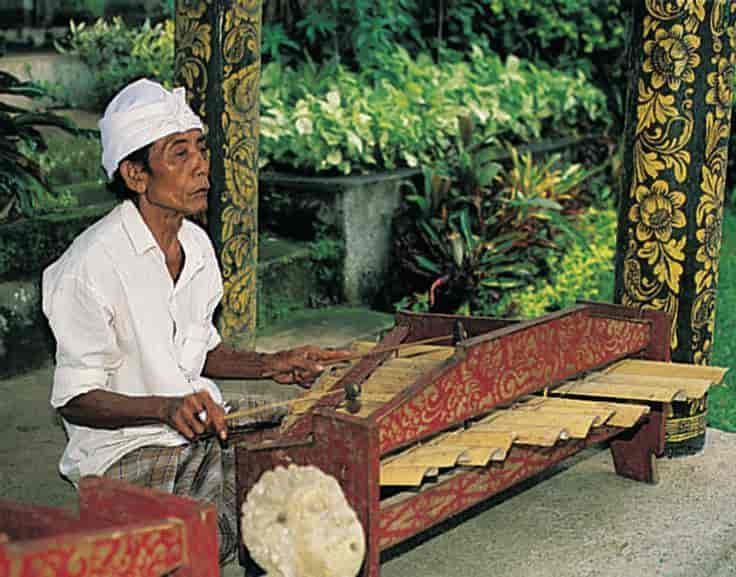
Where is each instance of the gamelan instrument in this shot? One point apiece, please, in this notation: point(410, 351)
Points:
point(416, 433)
point(119, 530)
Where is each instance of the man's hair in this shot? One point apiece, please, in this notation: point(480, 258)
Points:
point(117, 185)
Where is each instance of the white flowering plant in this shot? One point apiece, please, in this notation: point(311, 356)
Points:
point(403, 113)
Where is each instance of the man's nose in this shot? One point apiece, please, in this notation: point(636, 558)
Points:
point(203, 164)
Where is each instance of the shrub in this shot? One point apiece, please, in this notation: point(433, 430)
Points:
point(70, 160)
point(404, 112)
point(483, 229)
point(24, 188)
point(564, 33)
point(118, 54)
point(397, 111)
point(347, 32)
point(584, 271)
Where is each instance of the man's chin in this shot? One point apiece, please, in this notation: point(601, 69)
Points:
point(199, 207)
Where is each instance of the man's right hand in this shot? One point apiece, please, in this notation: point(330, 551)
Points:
point(183, 415)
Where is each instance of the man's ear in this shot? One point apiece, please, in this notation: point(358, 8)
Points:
point(134, 175)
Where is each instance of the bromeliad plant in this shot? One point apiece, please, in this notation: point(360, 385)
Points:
point(551, 180)
point(22, 183)
point(481, 229)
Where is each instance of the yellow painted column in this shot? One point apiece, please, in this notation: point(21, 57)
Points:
point(681, 61)
point(218, 60)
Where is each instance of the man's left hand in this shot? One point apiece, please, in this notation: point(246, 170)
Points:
point(301, 365)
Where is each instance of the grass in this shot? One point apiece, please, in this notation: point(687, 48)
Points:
point(722, 399)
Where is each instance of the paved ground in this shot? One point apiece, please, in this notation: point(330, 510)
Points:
point(585, 521)
point(581, 520)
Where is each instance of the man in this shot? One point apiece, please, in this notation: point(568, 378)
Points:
point(131, 304)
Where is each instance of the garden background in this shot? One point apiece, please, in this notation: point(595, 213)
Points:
point(509, 112)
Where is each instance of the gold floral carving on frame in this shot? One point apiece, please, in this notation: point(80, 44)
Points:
point(656, 232)
point(498, 371)
point(155, 550)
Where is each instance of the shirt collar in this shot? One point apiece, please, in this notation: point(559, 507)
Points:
point(142, 240)
point(140, 235)
point(194, 258)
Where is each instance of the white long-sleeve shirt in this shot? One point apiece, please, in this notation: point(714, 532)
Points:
point(122, 325)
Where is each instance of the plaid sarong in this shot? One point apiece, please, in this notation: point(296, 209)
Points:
point(203, 470)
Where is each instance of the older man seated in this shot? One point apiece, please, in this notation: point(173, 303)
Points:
point(131, 305)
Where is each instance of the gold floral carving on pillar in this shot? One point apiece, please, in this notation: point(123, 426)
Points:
point(670, 216)
point(193, 40)
point(218, 60)
point(709, 211)
point(241, 43)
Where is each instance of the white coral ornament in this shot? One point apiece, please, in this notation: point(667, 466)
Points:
point(297, 523)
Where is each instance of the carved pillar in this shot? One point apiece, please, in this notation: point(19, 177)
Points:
point(681, 59)
point(218, 60)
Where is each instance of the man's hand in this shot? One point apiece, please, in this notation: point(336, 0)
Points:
point(183, 415)
point(302, 365)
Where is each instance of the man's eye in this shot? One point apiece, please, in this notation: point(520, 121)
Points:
point(181, 153)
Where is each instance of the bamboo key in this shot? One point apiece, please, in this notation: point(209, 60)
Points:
point(280, 404)
point(391, 349)
point(309, 397)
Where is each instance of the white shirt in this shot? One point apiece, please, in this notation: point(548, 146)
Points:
point(122, 325)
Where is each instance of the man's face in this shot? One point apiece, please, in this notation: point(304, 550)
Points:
point(179, 176)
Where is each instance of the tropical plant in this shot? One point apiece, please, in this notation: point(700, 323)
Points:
point(22, 183)
point(404, 112)
point(117, 54)
point(551, 179)
point(400, 109)
point(347, 32)
point(481, 229)
point(581, 35)
point(583, 271)
point(71, 160)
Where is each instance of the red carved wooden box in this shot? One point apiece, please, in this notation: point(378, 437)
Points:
point(121, 530)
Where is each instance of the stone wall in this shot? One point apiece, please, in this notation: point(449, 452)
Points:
point(357, 210)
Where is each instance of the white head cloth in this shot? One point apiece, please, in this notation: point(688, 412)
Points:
point(140, 114)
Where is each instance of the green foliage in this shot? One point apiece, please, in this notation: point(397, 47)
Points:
point(584, 271)
point(551, 179)
point(27, 246)
point(327, 255)
point(397, 111)
point(84, 8)
point(482, 229)
point(118, 54)
point(70, 160)
point(404, 111)
point(722, 399)
point(276, 43)
point(23, 186)
point(574, 34)
point(351, 33)
point(561, 32)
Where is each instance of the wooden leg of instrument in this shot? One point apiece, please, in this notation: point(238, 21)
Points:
point(372, 561)
point(635, 451)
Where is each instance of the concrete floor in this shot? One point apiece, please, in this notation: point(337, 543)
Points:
point(578, 520)
point(585, 521)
